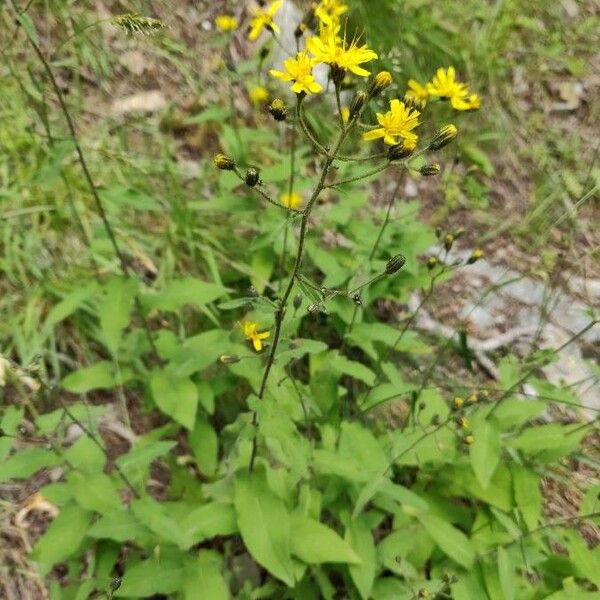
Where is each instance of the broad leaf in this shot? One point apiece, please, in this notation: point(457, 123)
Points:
point(176, 396)
point(485, 451)
point(265, 525)
point(451, 541)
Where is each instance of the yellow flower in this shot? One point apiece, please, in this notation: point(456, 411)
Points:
point(330, 11)
point(252, 334)
point(226, 23)
point(293, 200)
point(264, 19)
point(299, 71)
point(444, 85)
point(328, 48)
point(258, 94)
point(416, 92)
point(399, 121)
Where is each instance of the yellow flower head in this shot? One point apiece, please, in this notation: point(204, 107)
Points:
point(293, 200)
point(258, 94)
point(330, 49)
point(444, 85)
point(263, 19)
point(417, 93)
point(299, 71)
point(226, 23)
point(398, 122)
point(330, 11)
point(252, 334)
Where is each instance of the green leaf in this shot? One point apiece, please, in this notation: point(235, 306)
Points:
point(452, 542)
point(142, 454)
point(150, 578)
point(315, 543)
point(96, 492)
point(9, 423)
point(114, 310)
point(506, 574)
point(175, 396)
point(262, 264)
point(549, 442)
point(204, 574)
point(62, 538)
point(26, 462)
point(527, 494)
point(69, 304)
point(265, 525)
point(28, 26)
point(100, 376)
point(363, 575)
point(179, 292)
point(119, 526)
point(204, 444)
point(156, 517)
point(345, 366)
point(485, 451)
point(208, 521)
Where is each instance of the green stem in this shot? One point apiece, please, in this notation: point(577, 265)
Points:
point(283, 303)
point(360, 177)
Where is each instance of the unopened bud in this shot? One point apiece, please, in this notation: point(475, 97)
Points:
point(278, 109)
point(297, 301)
point(382, 80)
point(458, 402)
point(468, 439)
point(462, 422)
point(115, 584)
point(448, 241)
point(224, 163)
point(337, 75)
point(2, 432)
point(443, 137)
point(459, 233)
point(399, 151)
point(472, 398)
point(438, 232)
point(429, 170)
point(475, 256)
point(357, 103)
point(252, 176)
point(357, 299)
point(432, 263)
point(229, 359)
point(483, 396)
point(395, 264)
point(423, 593)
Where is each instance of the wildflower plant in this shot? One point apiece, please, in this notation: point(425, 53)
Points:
point(305, 446)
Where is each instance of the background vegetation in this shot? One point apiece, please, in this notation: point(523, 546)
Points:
point(125, 442)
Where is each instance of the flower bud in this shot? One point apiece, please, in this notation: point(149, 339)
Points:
point(472, 398)
point(252, 176)
point(278, 109)
point(224, 163)
point(297, 301)
point(357, 299)
point(429, 170)
point(458, 402)
point(432, 263)
point(357, 103)
point(448, 241)
point(394, 264)
point(443, 137)
point(382, 80)
point(475, 256)
point(115, 584)
point(399, 151)
point(438, 232)
point(337, 75)
point(264, 52)
point(468, 439)
point(229, 359)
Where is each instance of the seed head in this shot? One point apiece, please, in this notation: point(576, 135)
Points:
point(395, 264)
point(443, 137)
point(278, 109)
point(429, 170)
point(224, 163)
point(252, 176)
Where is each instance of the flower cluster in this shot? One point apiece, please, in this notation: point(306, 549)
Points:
point(443, 85)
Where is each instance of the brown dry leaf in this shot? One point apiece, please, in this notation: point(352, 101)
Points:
point(37, 502)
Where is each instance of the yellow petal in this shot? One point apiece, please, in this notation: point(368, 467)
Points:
point(374, 134)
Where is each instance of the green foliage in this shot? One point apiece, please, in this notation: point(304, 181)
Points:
point(301, 483)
